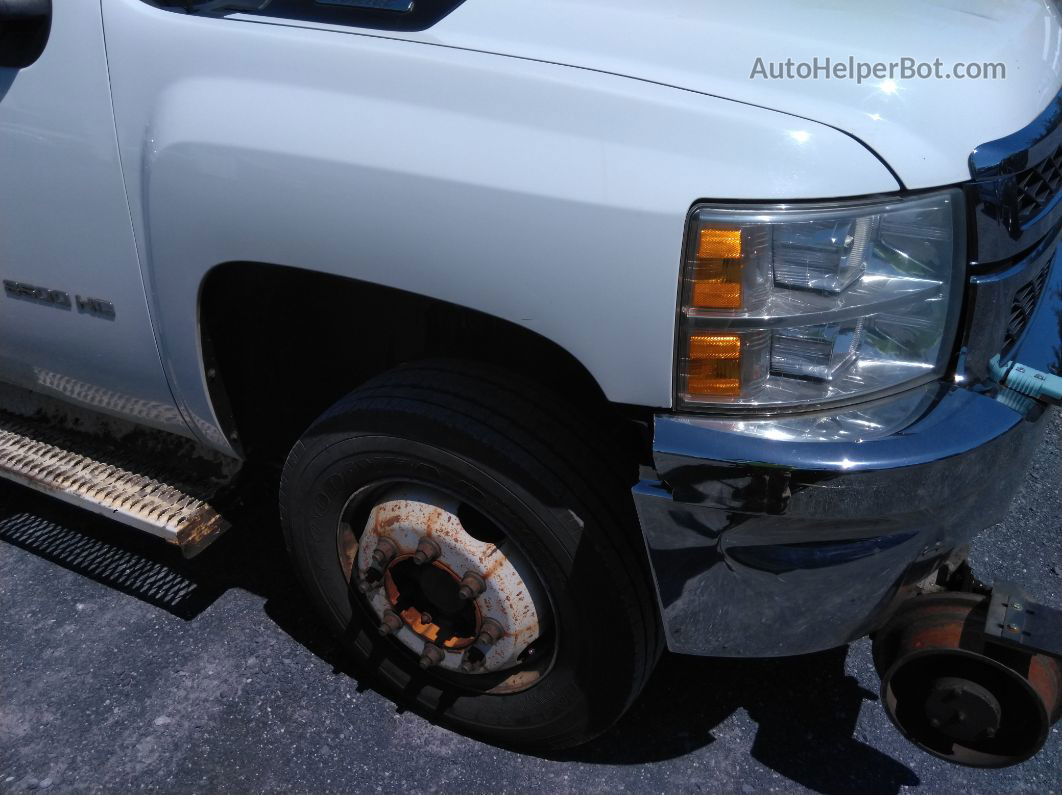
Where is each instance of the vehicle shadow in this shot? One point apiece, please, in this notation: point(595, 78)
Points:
point(806, 708)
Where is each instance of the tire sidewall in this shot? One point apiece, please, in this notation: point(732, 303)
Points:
point(331, 464)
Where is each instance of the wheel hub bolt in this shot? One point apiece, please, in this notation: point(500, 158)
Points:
point(425, 618)
point(490, 632)
point(473, 660)
point(476, 654)
point(390, 622)
point(381, 558)
point(472, 585)
point(427, 551)
point(431, 656)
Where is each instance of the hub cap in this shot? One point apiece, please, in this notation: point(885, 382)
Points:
point(462, 602)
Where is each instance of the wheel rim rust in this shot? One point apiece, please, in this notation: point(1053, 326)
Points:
point(477, 601)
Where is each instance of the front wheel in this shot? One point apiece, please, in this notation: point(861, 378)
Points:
point(473, 542)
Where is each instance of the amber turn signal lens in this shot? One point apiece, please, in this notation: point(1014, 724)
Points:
point(717, 285)
point(714, 365)
point(717, 270)
point(719, 243)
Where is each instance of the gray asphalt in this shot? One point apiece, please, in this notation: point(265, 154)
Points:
point(124, 668)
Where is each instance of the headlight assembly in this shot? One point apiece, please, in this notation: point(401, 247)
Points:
point(801, 305)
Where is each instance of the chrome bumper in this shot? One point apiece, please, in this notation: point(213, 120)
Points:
point(779, 537)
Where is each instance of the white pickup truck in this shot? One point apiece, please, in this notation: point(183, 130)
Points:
point(580, 328)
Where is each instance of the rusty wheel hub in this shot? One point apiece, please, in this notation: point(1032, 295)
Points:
point(444, 581)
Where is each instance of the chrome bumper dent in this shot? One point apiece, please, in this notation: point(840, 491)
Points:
point(771, 538)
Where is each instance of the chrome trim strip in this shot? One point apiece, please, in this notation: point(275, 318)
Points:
point(1026, 147)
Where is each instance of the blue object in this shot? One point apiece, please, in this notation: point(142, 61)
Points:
point(1022, 386)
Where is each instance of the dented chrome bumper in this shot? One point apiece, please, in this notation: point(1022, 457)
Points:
point(791, 535)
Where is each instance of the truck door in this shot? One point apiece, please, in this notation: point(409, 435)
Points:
point(73, 315)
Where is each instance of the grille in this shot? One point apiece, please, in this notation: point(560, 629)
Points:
point(1025, 301)
point(1038, 185)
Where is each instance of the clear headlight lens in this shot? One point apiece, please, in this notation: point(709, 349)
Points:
point(811, 304)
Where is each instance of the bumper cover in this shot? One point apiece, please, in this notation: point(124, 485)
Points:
point(779, 537)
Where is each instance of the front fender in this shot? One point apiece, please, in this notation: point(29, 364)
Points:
point(545, 195)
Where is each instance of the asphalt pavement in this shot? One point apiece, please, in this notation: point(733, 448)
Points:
point(123, 667)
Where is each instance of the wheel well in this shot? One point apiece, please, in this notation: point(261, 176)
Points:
point(282, 344)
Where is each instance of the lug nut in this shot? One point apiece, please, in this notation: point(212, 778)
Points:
point(365, 585)
point(390, 622)
point(381, 558)
point(472, 585)
point(427, 551)
point(476, 655)
point(431, 656)
point(490, 632)
point(473, 660)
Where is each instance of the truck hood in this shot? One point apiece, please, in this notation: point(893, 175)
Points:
point(924, 129)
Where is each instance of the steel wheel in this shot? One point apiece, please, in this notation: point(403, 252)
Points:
point(447, 584)
point(471, 540)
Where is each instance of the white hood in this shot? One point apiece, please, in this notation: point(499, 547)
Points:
point(924, 129)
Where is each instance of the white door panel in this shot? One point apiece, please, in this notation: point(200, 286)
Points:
point(65, 234)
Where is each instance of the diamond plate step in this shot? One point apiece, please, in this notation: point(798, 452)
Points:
point(121, 482)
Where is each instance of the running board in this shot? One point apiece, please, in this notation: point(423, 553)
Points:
point(116, 480)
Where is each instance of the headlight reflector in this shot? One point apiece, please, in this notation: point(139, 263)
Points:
point(790, 305)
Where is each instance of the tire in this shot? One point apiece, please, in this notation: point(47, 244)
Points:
point(519, 454)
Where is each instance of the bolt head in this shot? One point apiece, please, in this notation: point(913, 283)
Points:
point(474, 659)
point(390, 622)
point(1013, 628)
point(472, 585)
point(365, 586)
point(1017, 606)
point(427, 551)
point(431, 656)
